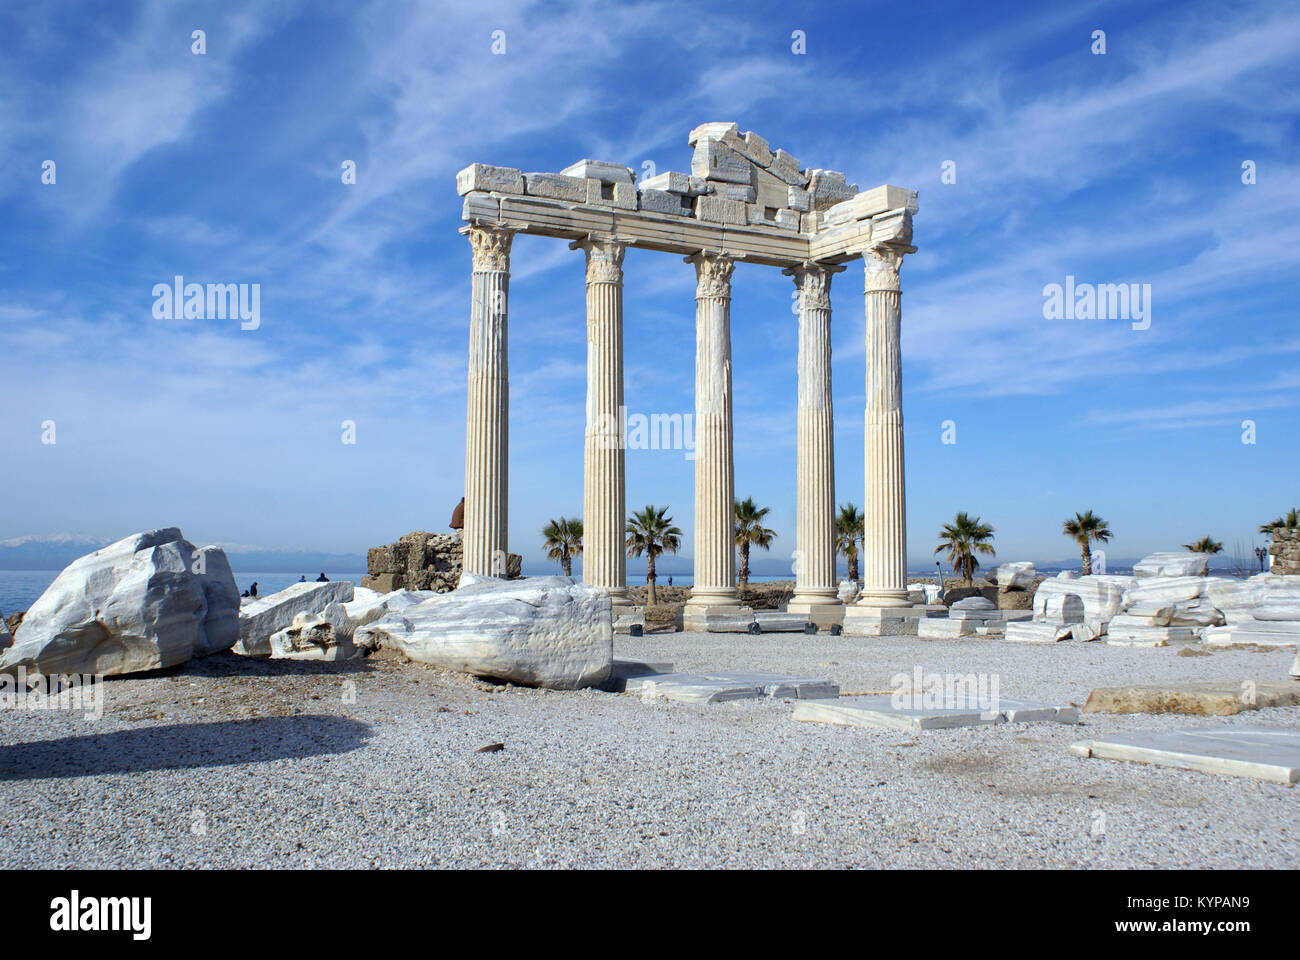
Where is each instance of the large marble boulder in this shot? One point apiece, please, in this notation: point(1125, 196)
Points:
point(259, 619)
point(148, 601)
point(1177, 563)
point(541, 631)
point(1102, 594)
point(849, 591)
point(1016, 576)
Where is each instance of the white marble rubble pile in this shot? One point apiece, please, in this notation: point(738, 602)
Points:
point(322, 624)
point(260, 618)
point(148, 601)
point(1071, 607)
point(1169, 599)
point(972, 616)
point(540, 631)
point(1263, 611)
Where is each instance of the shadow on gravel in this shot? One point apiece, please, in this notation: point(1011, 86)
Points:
point(233, 665)
point(183, 746)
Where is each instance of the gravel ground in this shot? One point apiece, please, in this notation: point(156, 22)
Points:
point(227, 762)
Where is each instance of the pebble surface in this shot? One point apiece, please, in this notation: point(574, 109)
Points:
point(236, 763)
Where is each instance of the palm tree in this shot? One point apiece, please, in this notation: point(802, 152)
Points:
point(750, 530)
point(849, 531)
point(1291, 522)
point(1204, 545)
point(563, 542)
point(1083, 528)
point(651, 532)
point(963, 538)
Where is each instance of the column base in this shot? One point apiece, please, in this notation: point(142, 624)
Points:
point(713, 597)
point(821, 614)
point(805, 601)
point(878, 597)
point(875, 620)
point(714, 618)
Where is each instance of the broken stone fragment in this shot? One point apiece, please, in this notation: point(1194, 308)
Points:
point(714, 160)
point(484, 177)
point(555, 186)
point(602, 170)
point(660, 201)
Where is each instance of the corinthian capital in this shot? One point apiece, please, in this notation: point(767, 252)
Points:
point(604, 259)
point(491, 246)
point(813, 281)
point(712, 275)
point(883, 261)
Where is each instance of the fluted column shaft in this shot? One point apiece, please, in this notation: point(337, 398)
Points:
point(884, 546)
point(487, 439)
point(715, 557)
point(815, 470)
point(604, 513)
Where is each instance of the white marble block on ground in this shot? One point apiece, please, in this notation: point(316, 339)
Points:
point(775, 621)
point(1036, 632)
point(940, 629)
point(1135, 632)
point(719, 619)
point(1265, 753)
point(538, 631)
point(728, 685)
point(876, 622)
point(1251, 634)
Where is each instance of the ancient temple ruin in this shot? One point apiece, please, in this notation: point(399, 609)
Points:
point(740, 201)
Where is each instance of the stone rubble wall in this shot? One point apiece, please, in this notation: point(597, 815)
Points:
point(422, 561)
point(1285, 551)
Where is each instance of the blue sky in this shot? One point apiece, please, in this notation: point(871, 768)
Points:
point(1117, 168)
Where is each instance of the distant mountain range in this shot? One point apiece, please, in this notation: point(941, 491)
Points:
point(57, 551)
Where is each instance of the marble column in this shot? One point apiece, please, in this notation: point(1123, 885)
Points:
point(604, 512)
point(488, 405)
point(815, 471)
point(884, 546)
point(715, 537)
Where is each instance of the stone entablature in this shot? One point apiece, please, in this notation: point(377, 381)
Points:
point(741, 198)
point(742, 201)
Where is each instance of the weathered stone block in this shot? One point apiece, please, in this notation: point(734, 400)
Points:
point(714, 160)
point(555, 186)
point(717, 210)
point(659, 201)
point(482, 176)
point(602, 170)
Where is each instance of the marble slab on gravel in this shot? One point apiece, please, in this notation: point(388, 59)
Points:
point(1265, 753)
point(776, 685)
point(689, 688)
point(879, 711)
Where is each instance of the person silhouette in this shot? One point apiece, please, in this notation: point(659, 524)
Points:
point(303, 578)
point(322, 578)
point(252, 591)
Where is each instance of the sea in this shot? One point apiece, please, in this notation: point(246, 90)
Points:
point(19, 589)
